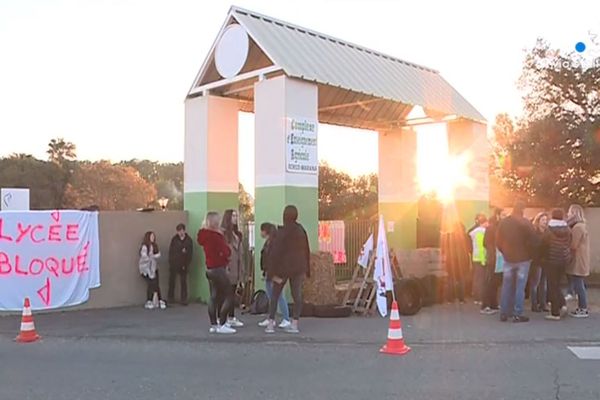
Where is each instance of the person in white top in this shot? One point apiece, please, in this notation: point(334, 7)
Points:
point(148, 266)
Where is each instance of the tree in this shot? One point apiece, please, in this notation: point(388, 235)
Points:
point(341, 197)
point(45, 180)
point(60, 151)
point(553, 153)
point(246, 204)
point(110, 187)
point(167, 178)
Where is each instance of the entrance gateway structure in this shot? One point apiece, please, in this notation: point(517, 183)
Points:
point(293, 78)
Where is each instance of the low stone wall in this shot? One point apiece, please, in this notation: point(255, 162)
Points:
point(121, 234)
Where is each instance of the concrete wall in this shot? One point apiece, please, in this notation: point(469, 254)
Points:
point(121, 233)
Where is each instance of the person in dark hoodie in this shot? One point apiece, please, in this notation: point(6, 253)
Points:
point(515, 238)
point(217, 254)
point(556, 247)
point(180, 258)
point(289, 260)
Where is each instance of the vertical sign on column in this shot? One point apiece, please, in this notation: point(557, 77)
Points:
point(301, 146)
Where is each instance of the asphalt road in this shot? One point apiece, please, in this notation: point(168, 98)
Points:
point(457, 354)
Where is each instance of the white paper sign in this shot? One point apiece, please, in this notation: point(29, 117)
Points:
point(52, 257)
point(301, 146)
point(14, 199)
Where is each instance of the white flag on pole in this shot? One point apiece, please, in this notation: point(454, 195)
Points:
point(365, 253)
point(383, 271)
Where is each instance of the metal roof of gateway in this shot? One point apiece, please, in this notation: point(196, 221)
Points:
point(313, 56)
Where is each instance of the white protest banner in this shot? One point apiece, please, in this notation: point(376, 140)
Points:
point(383, 270)
point(365, 252)
point(332, 240)
point(52, 257)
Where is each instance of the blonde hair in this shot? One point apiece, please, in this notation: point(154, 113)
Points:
point(577, 211)
point(211, 221)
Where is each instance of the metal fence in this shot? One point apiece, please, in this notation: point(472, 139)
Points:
point(356, 233)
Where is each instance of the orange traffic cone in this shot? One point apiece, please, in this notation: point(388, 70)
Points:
point(395, 342)
point(28, 333)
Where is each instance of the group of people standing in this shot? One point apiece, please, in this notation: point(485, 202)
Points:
point(530, 256)
point(284, 257)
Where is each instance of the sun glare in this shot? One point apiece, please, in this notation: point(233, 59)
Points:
point(438, 172)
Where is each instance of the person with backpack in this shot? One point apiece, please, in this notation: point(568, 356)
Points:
point(556, 247)
point(180, 258)
point(148, 267)
point(289, 261)
point(268, 232)
point(217, 253)
point(579, 268)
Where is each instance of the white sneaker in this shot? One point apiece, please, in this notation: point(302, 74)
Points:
point(213, 329)
point(264, 323)
point(285, 324)
point(569, 297)
point(270, 327)
point(292, 329)
point(225, 329)
point(564, 311)
point(162, 304)
point(235, 323)
point(149, 305)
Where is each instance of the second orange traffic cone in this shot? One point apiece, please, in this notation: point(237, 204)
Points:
point(395, 342)
point(27, 333)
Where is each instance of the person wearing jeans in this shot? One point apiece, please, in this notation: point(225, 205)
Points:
point(217, 253)
point(537, 277)
point(579, 268)
point(296, 289)
point(268, 232)
point(514, 280)
point(289, 260)
point(515, 238)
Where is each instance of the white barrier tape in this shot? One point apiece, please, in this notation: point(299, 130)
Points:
point(395, 334)
point(27, 326)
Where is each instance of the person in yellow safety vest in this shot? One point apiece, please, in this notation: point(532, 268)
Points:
point(478, 258)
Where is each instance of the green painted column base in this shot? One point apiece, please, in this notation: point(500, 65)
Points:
point(197, 205)
point(404, 217)
point(270, 202)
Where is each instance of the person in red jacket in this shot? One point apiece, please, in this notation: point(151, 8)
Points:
point(217, 254)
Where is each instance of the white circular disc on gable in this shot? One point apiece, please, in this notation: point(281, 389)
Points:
point(232, 51)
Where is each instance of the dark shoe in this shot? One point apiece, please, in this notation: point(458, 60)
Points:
point(535, 309)
point(503, 317)
point(520, 318)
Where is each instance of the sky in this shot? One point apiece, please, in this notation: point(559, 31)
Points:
point(111, 75)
